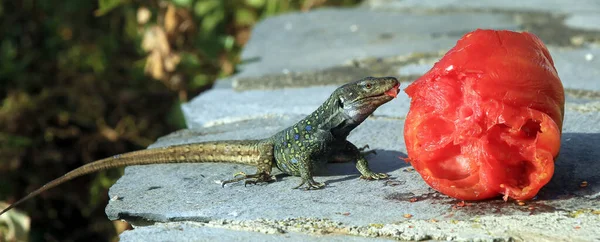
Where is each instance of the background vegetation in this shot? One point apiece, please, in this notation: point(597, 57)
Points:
point(83, 80)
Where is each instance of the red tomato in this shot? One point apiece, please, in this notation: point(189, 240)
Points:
point(486, 119)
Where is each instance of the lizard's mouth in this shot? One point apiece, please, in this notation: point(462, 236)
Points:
point(393, 92)
point(361, 108)
point(385, 96)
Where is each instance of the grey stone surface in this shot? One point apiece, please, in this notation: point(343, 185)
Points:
point(575, 71)
point(415, 69)
point(577, 68)
point(590, 21)
point(207, 109)
point(332, 46)
point(337, 75)
point(556, 6)
point(323, 46)
point(325, 38)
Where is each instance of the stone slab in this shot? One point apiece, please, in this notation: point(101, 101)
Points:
point(574, 67)
point(555, 6)
point(192, 231)
point(587, 21)
point(577, 68)
point(323, 38)
point(323, 47)
point(544, 227)
point(187, 192)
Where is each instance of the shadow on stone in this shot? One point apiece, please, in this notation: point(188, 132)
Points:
point(578, 162)
point(384, 161)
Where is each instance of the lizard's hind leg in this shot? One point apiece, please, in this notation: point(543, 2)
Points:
point(264, 164)
point(364, 151)
point(263, 175)
point(259, 177)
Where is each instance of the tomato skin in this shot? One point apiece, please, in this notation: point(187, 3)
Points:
point(487, 118)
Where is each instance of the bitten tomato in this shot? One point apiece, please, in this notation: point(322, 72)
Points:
point(486, 119)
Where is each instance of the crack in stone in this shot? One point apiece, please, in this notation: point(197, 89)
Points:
point(337, 75)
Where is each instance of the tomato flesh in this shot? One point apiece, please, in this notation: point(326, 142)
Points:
point(486, 120)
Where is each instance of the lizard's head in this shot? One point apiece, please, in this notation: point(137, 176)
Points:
point(360, 98)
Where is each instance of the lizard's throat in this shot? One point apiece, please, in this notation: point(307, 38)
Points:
point(361, 109)
point(340, 124)
point(331, 116)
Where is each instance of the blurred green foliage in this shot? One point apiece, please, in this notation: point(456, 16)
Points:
point(82, 80)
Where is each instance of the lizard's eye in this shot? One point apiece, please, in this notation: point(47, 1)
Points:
point(368, 85)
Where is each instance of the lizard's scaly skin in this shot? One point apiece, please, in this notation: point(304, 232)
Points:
point(297, 150)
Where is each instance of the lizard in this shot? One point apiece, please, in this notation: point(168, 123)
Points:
point(298, 150)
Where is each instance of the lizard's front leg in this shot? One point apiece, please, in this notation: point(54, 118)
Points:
point(304, 166)
point(366, 173)
point(362, 165)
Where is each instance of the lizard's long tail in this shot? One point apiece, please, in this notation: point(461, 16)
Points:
point(243, 152)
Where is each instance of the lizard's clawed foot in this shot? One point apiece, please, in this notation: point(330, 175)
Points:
point(310, 184)
point(254, 181)
point(374, 176)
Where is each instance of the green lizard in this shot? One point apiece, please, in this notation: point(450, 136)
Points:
point(297, 150)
